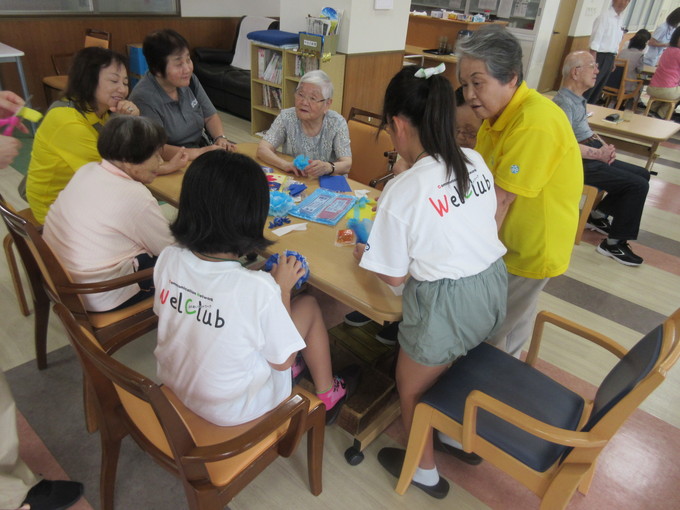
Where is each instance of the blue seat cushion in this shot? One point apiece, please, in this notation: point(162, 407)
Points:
point(520, 386)
point(274, 37)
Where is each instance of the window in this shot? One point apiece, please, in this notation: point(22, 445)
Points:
point(80, 7)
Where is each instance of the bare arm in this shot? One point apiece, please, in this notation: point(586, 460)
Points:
point(267, 153)
point(394, 281)
point(317, 168)
point(285, 365)
point(213, 125)
point(503, 201)
point(658, 44)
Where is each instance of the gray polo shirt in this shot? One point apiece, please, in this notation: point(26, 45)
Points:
point(575, 108)
point(184, 119)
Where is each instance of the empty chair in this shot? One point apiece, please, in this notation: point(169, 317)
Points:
point(373, 153)
point(541, 433)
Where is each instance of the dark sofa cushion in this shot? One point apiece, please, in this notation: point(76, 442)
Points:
point(220, 76)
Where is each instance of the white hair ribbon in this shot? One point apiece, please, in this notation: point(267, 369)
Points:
point(430, 71)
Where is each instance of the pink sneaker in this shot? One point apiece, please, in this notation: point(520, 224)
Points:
point(298, 369)
point(333, 399)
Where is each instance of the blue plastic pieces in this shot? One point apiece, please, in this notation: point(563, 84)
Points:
point(301, 161)
point(274, 259)
point(278, 222)
point(280, 203)
point(362, 228)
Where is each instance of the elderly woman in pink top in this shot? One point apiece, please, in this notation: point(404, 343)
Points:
point(665, 83)
point(106, 223)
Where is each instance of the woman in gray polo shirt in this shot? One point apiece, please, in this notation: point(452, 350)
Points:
point(171, 95)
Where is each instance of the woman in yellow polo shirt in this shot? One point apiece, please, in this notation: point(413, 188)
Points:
point(67, 138)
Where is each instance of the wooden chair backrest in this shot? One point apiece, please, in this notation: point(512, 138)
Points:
point(97, 38)
point(368, 146)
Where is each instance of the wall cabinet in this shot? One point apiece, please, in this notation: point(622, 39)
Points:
point(274, 75)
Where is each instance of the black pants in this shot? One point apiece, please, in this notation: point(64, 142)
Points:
point(605, 62)
point(144, 261)
point(626, 186)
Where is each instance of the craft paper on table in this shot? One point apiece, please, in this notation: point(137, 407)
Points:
point(277, 182)
point(334, 183)
point(324, 206)
point(289, 228)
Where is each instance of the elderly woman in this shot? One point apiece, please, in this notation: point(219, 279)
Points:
point(171, 96)
point(310, 129)
point(531, 150)
point(105, 223)
point(665, 83)
point(67, 137)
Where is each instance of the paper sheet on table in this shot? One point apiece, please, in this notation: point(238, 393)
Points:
point(289, 228)
point(334, 183)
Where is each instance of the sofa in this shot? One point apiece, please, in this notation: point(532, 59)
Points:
point(225, 75)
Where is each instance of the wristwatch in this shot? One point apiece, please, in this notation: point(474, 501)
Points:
point(219, 136)
point(332, 168)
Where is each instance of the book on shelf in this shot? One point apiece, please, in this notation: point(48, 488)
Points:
point(305, 63)
point(272, 72)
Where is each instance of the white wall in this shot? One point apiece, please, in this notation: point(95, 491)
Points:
point(584, 15)
point(363, 29)
point(207, 8)
point(537, 47)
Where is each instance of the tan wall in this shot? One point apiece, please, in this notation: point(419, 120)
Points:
point(39, 38)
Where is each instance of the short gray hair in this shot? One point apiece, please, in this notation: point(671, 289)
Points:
point(321, 80)
point(574, 59)
point(497, 48)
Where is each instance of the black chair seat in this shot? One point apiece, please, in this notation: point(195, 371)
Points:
point(499, 375)
point(224, 77)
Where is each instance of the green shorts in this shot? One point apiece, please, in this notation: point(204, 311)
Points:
point(446, 318)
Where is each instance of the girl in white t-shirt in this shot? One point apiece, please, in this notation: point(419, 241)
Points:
point(227, 335)
point(435, 223)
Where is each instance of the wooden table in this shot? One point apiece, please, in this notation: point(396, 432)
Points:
point(333, 269)
point(641, 135)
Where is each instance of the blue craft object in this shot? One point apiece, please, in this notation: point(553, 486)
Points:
point(274, 259)
point(362, 228)
point(278, 221)
point(280, 203)
point(295, 189)
point(300, 162)
point(324, 206)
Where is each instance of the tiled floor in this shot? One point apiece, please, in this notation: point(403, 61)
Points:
point(638, 469)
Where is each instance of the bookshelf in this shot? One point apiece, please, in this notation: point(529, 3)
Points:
point(274, 76)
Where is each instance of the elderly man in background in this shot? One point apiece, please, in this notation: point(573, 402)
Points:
point(626, 184)
point(604, 45)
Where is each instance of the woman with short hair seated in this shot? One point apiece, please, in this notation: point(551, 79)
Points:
point(105, 223)
point(310, 129)
point(67, 137)
point(171, 96)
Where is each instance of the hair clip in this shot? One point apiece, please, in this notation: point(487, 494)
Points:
point(430, 71)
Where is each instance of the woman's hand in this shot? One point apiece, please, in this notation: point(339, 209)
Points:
point(225, 144)
point(9, 149)
point(317, 168)
point(177, 162)
point(10, 103)
point(287, 272)
point(125, 107)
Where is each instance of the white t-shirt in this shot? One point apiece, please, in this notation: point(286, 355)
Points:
point(425, 228)
point(97, 226)
point(219, 327)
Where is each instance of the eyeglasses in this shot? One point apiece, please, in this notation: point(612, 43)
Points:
point(301, 97)
point(594, 65)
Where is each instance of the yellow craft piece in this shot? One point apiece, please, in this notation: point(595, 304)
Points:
point(365, 212)
point(29, 114)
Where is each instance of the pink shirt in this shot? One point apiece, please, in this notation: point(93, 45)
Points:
point(97, 226)
point(667, 73)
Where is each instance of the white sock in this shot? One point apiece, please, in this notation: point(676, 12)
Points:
point(449, 441)
point(426, 476)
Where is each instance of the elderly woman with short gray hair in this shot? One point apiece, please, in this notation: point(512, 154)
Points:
point(310, 129)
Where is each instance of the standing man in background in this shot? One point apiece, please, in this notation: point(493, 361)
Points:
point(604, 45)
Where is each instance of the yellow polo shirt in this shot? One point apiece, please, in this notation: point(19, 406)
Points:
point(532, 153)
point(65, 141)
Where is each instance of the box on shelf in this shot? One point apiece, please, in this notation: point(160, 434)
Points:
point(318, 44)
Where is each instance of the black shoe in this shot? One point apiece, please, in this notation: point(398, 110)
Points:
point(600, 225)
point(620, 252)
point(349, 377)
point(469, 458)
point(356, 319)
point(388, 334)
point(392, 459)
point(53, 495)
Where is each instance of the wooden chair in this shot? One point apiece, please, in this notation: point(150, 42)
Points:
point(590, 193)
point(615, 88)
point(370, 147)
point(673, 103)
point(62, 62)
point(213, 462)
point(51, 282)
point(539, 432)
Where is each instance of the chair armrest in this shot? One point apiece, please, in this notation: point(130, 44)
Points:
point(214, 55)
point(586, 333)
point(479, 400)
point(107, 285)
point(379, 180)
point(295, 409)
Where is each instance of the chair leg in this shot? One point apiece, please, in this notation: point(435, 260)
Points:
point(14, 273)
point(587, 481)
point(420, 428)
point(41, 305)
point(315, 438)
point(563, 486)
point(107, 475)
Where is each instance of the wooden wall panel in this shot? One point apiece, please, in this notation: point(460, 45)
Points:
point(366, 78)
point(39, 38)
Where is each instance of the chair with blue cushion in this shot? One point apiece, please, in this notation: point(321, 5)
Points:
point(541, 433)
